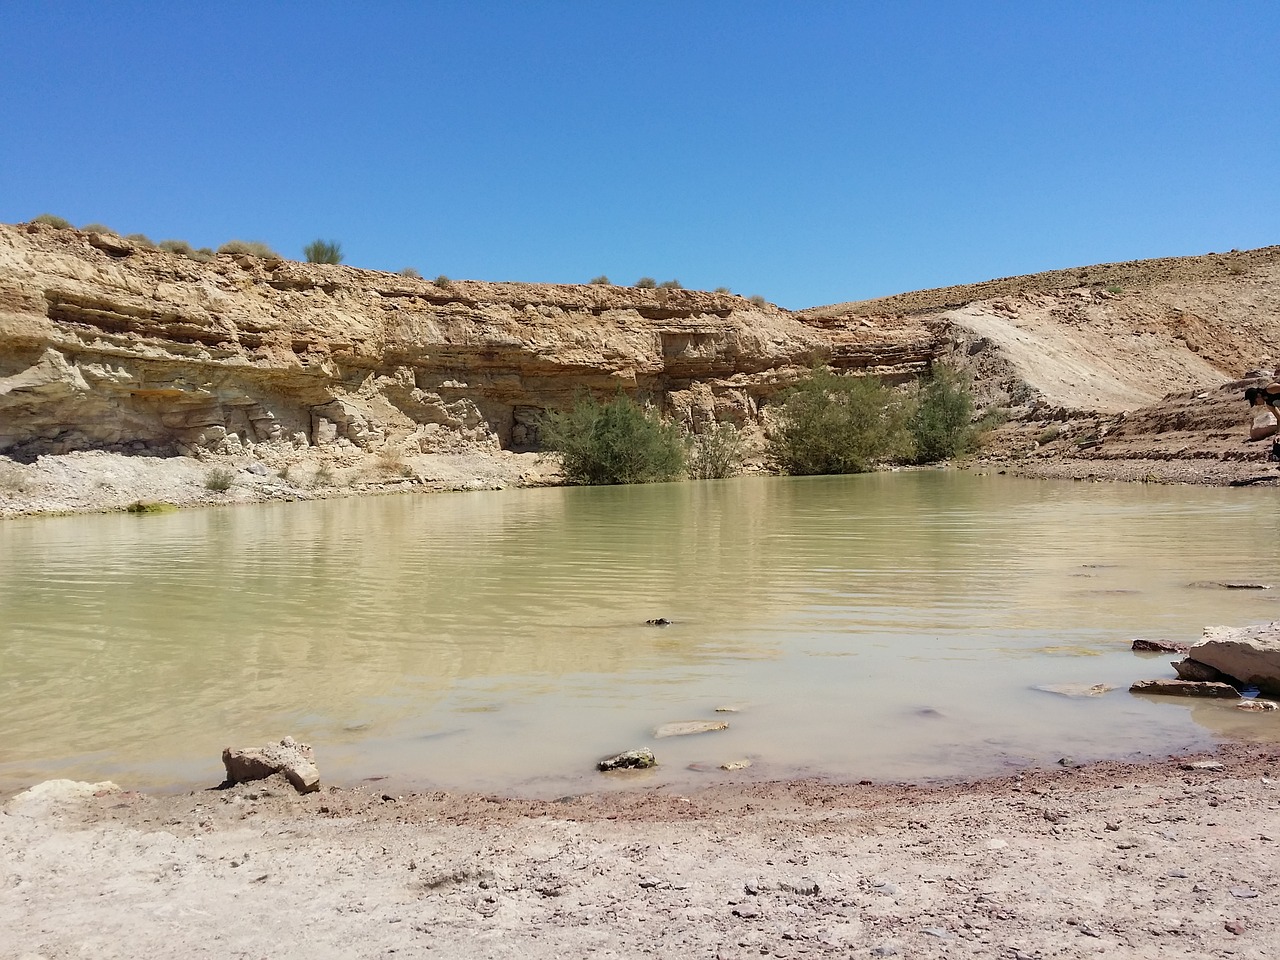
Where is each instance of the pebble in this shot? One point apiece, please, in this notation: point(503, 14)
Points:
point(1177, 874)
point(1234, 926)
point(884, 950)
point(939, 932)
point(746, 912)
point(888, 889)
point(1243, 893)
point(1203, 765)
point(802, 888)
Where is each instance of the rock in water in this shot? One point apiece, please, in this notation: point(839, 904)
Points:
point(684, 728)
point(1249, 654)
point(640, 759)
point(1186, 688)
point(1141, 645)
point(1075, 690)
point(289, 757)
point(1188, 669)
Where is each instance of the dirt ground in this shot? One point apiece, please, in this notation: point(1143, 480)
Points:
point(1147, 860)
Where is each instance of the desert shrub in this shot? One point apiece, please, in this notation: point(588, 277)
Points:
point(991, 418)
point(941, 423)
point(203, 254)
point(715, 453)
point(219, 480)
point(410, 273)
point(759, 301)
point(443, 282)
point(1048, 435)
point(723, 290)
point(252, 248)
point(323, 251)
point(324, 476)
point(53, 220)
point(647, 283)
point(670, 285)
point(96, 228)
point(141, 239)
point(392, 461)
point(180, 247)
point(1235, 268)
point(601, 281)
point(149, 506)
point(838, 424)
point(615, 442)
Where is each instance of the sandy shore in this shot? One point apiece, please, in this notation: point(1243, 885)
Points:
point(1149, 860)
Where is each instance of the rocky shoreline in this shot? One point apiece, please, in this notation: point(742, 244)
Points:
point(1137, 860)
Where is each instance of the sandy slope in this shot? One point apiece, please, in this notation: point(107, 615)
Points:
point(1121, 861)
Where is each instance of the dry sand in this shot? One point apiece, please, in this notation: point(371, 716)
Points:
point(1147, 860)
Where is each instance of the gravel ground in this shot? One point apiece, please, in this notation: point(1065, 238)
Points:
point(1148, 860)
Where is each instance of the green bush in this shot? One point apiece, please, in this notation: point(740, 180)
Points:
point(53, 220)
point(941, 423)
point(443, 282)
point(615, 442)
point(219, 480)
point(323, 251)
point(723, 290)
point(601, 281)
point(410, 274)
point(759, 301)
point(670, 285)
point(1048, 435)
point(647, 283)
point(252, 248)
point(715, 453)
point(838, 424)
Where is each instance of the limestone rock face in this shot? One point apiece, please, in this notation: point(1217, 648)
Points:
point(289, 757)
point(1249, 654)
point(107, 345)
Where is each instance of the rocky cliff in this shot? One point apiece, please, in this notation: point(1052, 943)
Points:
point(108, 345)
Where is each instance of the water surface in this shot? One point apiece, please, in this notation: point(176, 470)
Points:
point(880, 626)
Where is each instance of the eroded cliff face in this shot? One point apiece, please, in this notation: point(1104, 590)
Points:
point(105, 345)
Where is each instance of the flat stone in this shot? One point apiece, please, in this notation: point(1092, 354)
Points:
point(1249, 654)
point(1208, 765)
point(801, 888)
point(685, 728)
point(1258, 705)
point(1186, 688)
point(1230, 585)
point(733, 765)
point(640, 759)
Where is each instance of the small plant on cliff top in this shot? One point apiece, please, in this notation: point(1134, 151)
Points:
point(252, 248)
point(615, 442)
point(323, 251)
point(141, 239)
point(647, 283)
point(410, 273)
point(670, 285)
point(96, 228)
point(53, 220)
point(759, 301)
point(180, 247)
point(601, 281)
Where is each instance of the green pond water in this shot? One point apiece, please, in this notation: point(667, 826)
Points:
point(879, 626)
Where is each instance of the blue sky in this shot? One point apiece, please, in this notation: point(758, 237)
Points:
point(807, 152)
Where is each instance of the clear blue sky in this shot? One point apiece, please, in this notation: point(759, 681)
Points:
point(808, 152)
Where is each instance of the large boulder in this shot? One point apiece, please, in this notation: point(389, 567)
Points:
point(1249, 654)
point(288, 757)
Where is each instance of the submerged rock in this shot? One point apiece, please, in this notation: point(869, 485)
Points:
point(1230, 585)
point(1258, 705)
point(684, 728)
point(640, 759)
point(1075, 690)
point(288, 757)
point(1159, 646)
point(658, 622)
point(1186, 688)
point(1249, 654)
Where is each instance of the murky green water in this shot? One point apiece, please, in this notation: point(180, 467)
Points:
point(890, 625)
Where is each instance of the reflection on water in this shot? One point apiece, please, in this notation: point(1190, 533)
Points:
point(890, 625)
